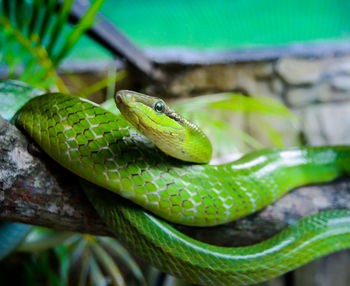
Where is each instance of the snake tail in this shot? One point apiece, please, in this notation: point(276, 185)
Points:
point(166, 248)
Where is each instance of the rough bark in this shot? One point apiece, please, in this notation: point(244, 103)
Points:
point(36, 190)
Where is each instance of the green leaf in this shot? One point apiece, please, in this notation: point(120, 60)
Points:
point(42, 239)
point(206, 112)
point(6, 8)
point(260, 104)
point(84, 272)
point(84, 24)
point(272, 133)
point(61, 20)
point(19, 8)
point(49, 15)
point(108, 264)
point(34, 17)
point(63, 255)
point(236, 102)
point(115, 247)
point(96, 276)
point(37, 30)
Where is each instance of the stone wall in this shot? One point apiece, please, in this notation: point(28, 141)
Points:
point(315, 89)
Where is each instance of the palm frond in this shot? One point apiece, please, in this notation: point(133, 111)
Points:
point(108, 264)
point(35, 37)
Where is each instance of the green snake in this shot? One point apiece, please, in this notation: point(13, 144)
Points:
point(180, 187)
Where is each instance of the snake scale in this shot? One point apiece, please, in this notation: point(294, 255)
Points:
point(107, 150)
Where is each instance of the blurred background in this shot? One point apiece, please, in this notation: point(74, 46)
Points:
point(223, 25)
point(252, 74)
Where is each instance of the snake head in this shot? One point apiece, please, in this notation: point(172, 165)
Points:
point(169, 131)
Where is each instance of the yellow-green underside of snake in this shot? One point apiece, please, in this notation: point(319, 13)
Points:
point(106, 150)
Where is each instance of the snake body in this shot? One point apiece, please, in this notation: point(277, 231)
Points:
point(106, 150)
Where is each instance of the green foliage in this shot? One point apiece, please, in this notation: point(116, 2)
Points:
point(35, 37)
point(30, 269)
point(80, 259)
point(216, 115)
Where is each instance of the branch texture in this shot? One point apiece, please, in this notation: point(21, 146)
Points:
point(36, 190)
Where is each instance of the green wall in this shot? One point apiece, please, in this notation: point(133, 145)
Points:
point(224, 24)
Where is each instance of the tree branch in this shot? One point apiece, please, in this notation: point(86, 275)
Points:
point(36, 190)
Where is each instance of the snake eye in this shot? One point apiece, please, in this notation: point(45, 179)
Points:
point(159, 107)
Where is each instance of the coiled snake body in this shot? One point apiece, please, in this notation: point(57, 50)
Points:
point(105, 149)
